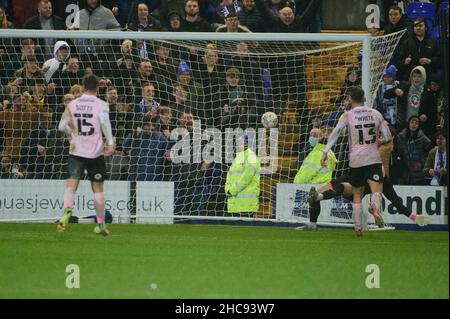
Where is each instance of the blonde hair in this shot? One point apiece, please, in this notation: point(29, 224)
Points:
point(68, 98)
point(164, 110)
point(76, 90)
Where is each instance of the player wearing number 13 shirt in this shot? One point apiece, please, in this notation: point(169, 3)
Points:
point(364, 126)
point(85, 121)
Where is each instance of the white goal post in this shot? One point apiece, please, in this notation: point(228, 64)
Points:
point(324, 60)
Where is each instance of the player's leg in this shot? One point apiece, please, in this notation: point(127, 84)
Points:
point(391, 195)
point(314, 212)
point(358, 180)
point(336, 187)
point(97, 173)
point(75, 168)
point(374, 176)
point(358, 192)
point(327, 191)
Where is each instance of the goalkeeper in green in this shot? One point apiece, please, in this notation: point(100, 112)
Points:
point(311, 170)
point(242, 185)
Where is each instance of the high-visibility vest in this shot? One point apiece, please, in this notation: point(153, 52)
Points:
point(311, 171)
point(243, 183)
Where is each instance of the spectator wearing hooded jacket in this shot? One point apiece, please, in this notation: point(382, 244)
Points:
point(414, 145)
point(169, 7)
point(411, 97)
point(175, 21)
point(61, 53)
point(387, 107)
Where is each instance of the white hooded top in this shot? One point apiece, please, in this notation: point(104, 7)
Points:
point(54, 63)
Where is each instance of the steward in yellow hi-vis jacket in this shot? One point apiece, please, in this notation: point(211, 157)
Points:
point(242, 184)
point(311, 171)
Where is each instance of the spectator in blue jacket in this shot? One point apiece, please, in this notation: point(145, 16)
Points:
point(146, 148)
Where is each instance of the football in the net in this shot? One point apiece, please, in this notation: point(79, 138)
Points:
point(269, 120)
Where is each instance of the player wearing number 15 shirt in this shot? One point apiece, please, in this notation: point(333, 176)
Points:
point(85, 121)
point(364, 126)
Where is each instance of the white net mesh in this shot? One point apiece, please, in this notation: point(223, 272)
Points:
point(156, 88)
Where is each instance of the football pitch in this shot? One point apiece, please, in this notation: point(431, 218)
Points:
point(216, 261)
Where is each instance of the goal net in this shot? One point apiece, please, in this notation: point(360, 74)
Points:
point(179, 101)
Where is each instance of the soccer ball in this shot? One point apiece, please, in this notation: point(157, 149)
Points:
point(269, 120)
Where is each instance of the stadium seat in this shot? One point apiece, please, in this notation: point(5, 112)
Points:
point(424, 10)
point(443, 7)
point(421, 10)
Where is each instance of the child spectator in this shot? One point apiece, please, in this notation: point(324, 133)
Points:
point(410, 97)
point(387, 107)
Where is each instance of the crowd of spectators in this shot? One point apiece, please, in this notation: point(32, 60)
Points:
point(156, 87)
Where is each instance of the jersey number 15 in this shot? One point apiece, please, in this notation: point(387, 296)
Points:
point(83, 123)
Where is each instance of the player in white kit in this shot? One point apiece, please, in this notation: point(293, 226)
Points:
point(84, 120)
point(363, 125)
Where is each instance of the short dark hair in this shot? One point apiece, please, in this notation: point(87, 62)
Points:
point(440, 133)
point(27, 42)
point(419, 21)
point(91, 82)
point(396, 8)
point(232, 14)
point(357, 94)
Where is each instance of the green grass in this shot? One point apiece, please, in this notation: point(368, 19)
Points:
point(205, 261)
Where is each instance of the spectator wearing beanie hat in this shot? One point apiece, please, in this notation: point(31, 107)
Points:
point(175, 22)
point(195, 90)
point(388, 106)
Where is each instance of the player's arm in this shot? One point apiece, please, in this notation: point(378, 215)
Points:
point(332, 139)
point(105, 124)
point(385, 132)
point(64, 123)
